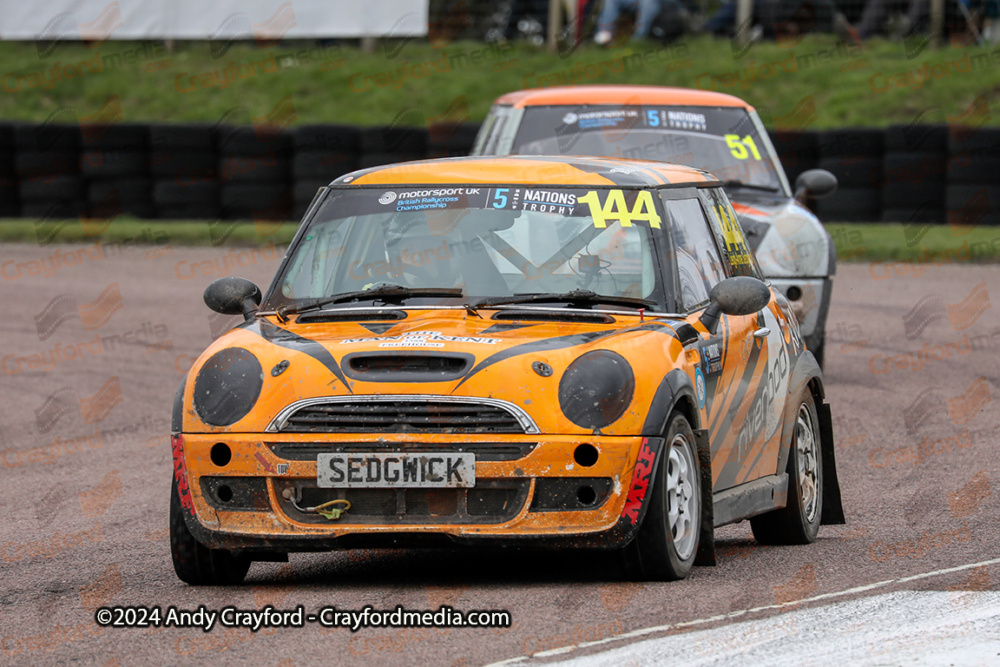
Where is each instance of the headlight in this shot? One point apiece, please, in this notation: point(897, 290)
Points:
point(227, 386)
point(596, 389)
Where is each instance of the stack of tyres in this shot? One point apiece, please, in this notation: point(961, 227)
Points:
point(47, 162)
point(114, 160)
point(798, 151)
point(255, 170)
point(184, 165)
point(854, 156)
point(973, 190)
point(451, 139)
point(9, 206)
point(322, 154)
point(914, 172)
point(392, 143)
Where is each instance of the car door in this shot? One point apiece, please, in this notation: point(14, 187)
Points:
point(723, 362)
point(751, 428)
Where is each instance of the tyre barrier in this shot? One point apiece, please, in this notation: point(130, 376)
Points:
point(914, 173)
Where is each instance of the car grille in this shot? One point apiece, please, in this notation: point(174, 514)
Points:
point(484, 451)
point(490, 501)
point(397, 414)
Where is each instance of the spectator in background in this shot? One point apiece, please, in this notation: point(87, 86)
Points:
point(782, 19)
point(646, 12)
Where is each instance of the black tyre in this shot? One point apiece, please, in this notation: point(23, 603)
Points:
point(254, 169)
point(394, 139)
point(916, 139)
point(63, 138)
point(118, 137)
point(172, 193)
point(667, 543)
point(972, 170)
point(195, 563)
point(34, 165)
point(927, 213)
point(798, 522)
point(913, 195)
point(914, 169)
point(181, 137)
point(114, 164)
point(973, 204)
point(851, 205)
point(184, 165)
point(56, 188)
point(238, 141)
point(854, 171)
point(327, 138)
point(313, 165)
point(861, 141)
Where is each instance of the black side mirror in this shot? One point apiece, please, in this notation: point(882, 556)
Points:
point(815, 183)
point(233, 296)
point(741, 295)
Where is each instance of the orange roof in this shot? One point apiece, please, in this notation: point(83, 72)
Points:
point(611, 94)
point(529, 170)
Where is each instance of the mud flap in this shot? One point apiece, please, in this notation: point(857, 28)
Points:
point(833, 510)
point(706, 541)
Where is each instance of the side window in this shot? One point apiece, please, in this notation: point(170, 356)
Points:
point(698, 263)
point(726, 226)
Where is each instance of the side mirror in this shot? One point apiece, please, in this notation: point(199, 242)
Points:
point(233, 296)
point(815, 183)
point(741, 295)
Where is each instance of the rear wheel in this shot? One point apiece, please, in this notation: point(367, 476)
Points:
point(665, 548)
point(798, 522)
point(195, 563)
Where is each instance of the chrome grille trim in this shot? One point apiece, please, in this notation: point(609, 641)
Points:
point(526, 422)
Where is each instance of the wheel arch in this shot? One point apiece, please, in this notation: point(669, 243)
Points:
point(806, 375)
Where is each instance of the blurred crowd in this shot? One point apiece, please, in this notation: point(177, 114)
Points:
point(607, 22)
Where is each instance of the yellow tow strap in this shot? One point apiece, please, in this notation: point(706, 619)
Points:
point(334, 513)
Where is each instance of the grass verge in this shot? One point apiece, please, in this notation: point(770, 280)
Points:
point(816, 82)
point(876, 242)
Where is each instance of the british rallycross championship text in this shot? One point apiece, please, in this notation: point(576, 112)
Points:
point(269, 617)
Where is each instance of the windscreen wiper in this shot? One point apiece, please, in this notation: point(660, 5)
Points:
point(575, 297)
point(386, 292)
point(751, 186)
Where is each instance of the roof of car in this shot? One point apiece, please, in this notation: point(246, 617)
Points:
point(612, 94)
point(530, 170)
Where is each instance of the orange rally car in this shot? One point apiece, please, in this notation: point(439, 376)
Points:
point(551, 351)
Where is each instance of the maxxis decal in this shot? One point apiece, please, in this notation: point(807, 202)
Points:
point(180, 473)
point(640, 482)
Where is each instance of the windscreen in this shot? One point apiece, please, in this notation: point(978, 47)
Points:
point(721, 140)
point(486, 241)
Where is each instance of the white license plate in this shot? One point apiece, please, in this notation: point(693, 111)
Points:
point(396, 470)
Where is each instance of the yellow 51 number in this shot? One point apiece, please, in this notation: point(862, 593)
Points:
point(738, 147)
point(615, 208)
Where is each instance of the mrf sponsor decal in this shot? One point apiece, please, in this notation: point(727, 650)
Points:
point(180, 473)
point(641, 476)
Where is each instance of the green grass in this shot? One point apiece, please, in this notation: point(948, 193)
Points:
point(855, 242)
point(829, 85)
point(131, 231)
point(912, 243)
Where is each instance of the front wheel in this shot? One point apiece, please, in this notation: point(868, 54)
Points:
point(665, 548)
point(798, 522)
point(195, 563)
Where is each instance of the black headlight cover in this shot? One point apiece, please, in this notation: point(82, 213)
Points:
point(596, 389)
point(227, 387)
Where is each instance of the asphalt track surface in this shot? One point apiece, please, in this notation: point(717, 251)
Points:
point(912, 376)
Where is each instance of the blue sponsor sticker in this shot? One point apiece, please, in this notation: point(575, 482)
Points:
point(699, 387)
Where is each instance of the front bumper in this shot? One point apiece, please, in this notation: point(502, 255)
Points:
point(530, 496)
